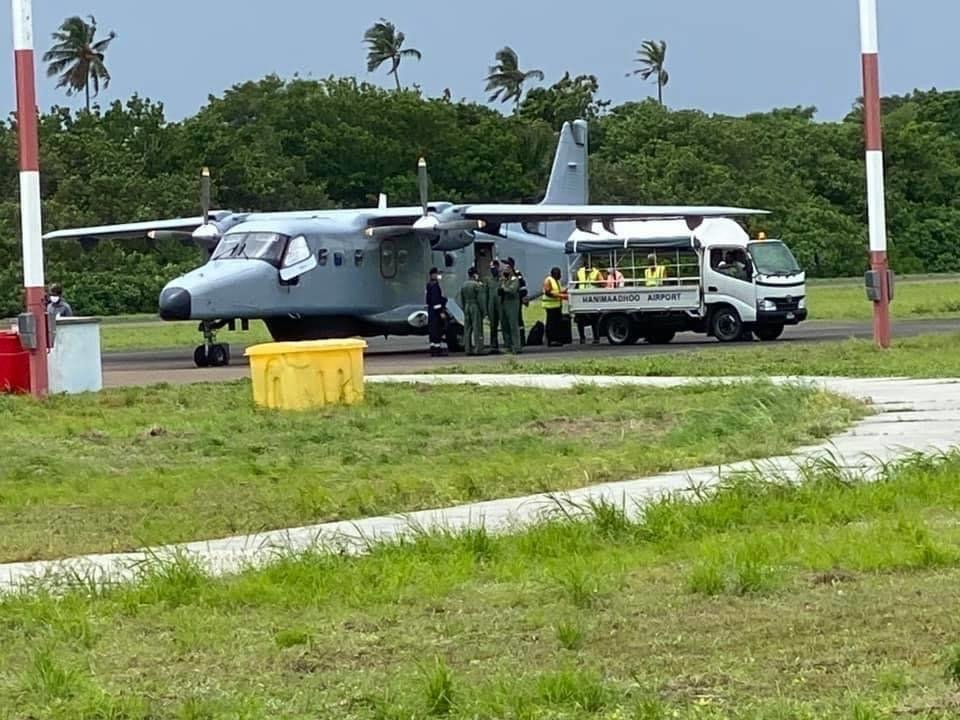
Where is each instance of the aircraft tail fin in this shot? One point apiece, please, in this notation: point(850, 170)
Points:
point(569, 180)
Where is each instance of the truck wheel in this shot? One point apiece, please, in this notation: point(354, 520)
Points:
point(726, 325)
point(768, 333)
point(620, 330)
point(660, 337)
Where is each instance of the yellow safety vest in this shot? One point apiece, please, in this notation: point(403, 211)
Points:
point(550, 303)
point(590, 279)
point(655, 275)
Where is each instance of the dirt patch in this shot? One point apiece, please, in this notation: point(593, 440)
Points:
point(582, 427)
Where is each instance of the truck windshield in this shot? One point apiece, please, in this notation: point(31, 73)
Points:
point(251, 246)
point(772, 257)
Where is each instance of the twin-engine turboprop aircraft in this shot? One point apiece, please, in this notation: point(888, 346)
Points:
point(313, 274)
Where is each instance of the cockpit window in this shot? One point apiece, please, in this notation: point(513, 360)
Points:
point(251, 246)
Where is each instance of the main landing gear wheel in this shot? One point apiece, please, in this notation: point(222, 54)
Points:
point(217, 355)
point(455, 339)
point(726, 324)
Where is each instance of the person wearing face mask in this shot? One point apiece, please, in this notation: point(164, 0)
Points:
point(471, 299)
point(494, 308)
point(56, 305)
point(436, 313)
point(524, 302)
point(510, 294)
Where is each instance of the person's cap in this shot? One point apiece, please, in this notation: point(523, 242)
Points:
point(434, 271)
point(472, 271)
point(652, 256)
point(511, 262)
point(56, 289)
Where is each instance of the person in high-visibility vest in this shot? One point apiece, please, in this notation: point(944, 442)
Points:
point(552, 302)
point(588, 277)
point(654, 273)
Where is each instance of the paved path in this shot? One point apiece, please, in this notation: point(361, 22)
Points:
point(402, 355)
point(913, 416)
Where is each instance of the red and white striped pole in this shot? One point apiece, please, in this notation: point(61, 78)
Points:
point(876, 207)
point(30, 222)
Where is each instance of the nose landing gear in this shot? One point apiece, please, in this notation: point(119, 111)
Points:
point(211, 353)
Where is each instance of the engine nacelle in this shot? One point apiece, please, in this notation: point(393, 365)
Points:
point(452, 240)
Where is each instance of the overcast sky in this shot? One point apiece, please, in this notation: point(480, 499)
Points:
point(727, 56)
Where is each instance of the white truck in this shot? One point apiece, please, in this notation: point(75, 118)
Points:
point(660, 278)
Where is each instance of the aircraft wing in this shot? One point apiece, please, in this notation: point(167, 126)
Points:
point(126, 231)
point(506, 213)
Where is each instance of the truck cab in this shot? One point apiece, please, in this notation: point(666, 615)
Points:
point(758, 280)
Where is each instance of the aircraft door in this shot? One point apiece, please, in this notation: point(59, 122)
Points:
point(482, 257)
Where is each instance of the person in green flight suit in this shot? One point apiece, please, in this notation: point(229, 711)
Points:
point(494, 308)
point(472, 297)
point(510, 318)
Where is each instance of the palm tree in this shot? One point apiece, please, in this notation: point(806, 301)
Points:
point(507, 79)
point(77, 58)
point(386, 43)
point(652, 57)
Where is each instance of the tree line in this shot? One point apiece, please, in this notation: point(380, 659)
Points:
point(276, 144)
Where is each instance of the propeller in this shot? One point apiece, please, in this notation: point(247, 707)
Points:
point(208, 234)
point(428, 225)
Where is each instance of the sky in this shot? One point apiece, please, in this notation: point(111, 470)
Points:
point(723, 56)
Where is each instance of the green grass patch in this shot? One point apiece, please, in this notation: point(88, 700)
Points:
point(133, 467)
point(915, 298)
point(830, 598)
point(130, 334)
point(923, 356)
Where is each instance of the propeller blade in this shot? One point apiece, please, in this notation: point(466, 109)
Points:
point(423, 182)
point(205, 193)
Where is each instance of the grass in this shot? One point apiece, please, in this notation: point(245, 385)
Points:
point(827, 599)
point(139, 332)
point(922, 356)
point(132, 467)
point(925, 297)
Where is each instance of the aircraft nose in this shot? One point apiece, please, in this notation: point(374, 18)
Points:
point(175, 304)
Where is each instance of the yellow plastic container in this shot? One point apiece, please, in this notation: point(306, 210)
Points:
point(309, 374)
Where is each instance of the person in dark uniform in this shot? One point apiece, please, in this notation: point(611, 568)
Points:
point(436, 313)
point(524, 300)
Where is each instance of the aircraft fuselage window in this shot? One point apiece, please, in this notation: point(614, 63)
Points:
point(388, 259)
point(338, 259)
point(264, 246)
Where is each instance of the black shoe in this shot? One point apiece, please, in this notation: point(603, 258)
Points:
point(596, 341)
